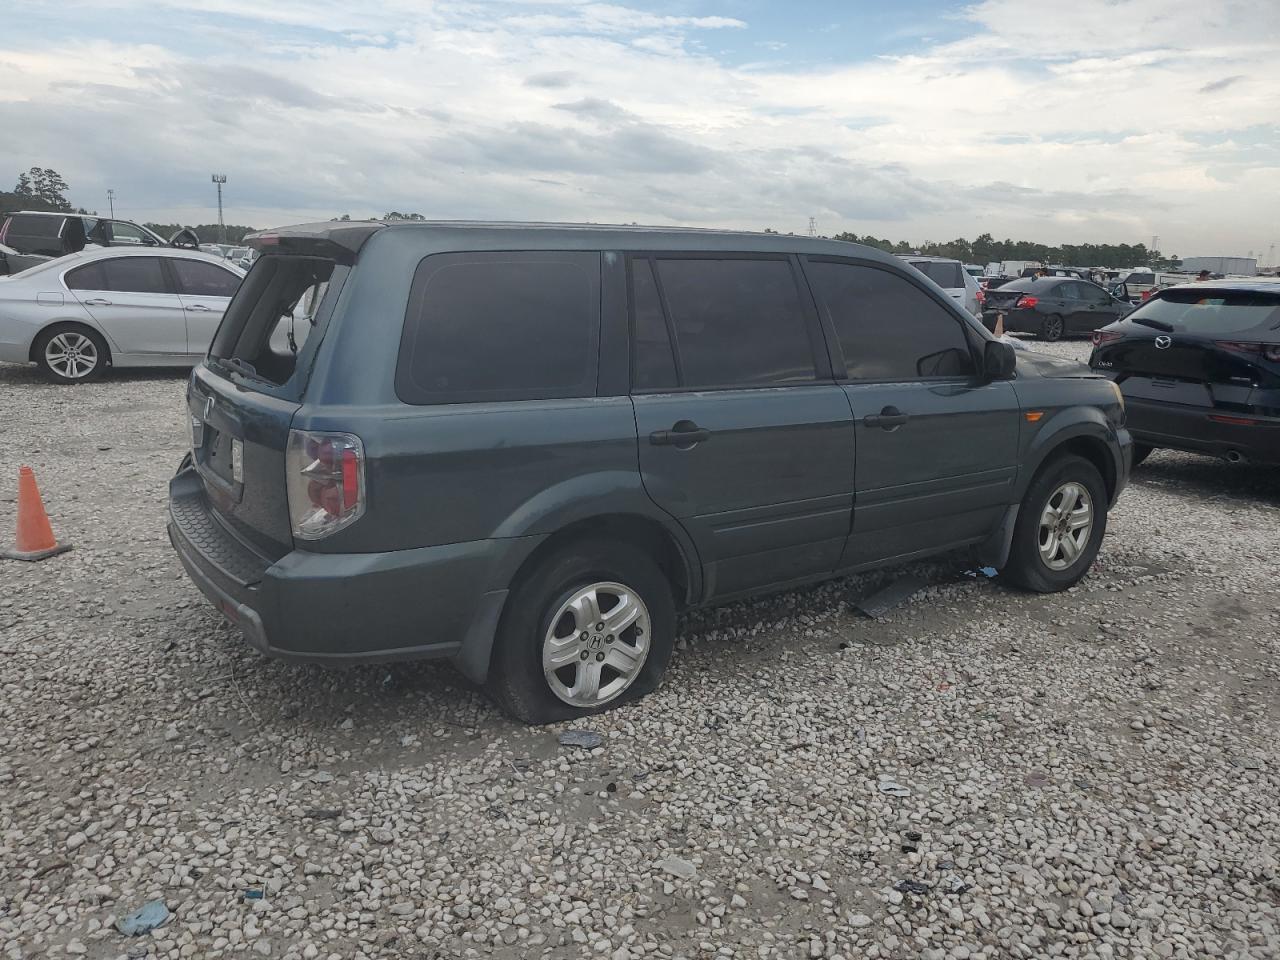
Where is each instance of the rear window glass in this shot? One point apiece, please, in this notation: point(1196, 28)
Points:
point(946, 275)
point(1214, 311)
point(136, 275)
point(501, 326)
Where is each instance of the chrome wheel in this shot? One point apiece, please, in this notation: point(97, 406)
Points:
point(71, 355)
point(1065, 526)
point(596, 645)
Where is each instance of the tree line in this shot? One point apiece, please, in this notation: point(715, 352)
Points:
point(986, 249)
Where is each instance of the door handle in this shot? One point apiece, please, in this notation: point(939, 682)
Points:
point(199, 306)
point(97, 302)
point(890, 418)
point(684, 435)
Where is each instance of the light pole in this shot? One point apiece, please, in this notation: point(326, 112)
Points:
point(220, 179)
point(111, 200)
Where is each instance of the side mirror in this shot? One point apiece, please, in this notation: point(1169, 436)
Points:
point(1120, 291)
point(998, 361)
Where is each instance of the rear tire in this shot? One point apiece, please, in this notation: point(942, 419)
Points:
point(70, 353)
point(1063, 493)
point(1052, 328)
point(543, 624)
point(1141, 451)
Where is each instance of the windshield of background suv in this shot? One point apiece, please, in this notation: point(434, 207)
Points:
point(944, 274)
point(1214, 311)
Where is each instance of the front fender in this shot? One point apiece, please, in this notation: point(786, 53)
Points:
point(1068, 424)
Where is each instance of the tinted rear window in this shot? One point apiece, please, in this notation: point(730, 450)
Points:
point(136, 275)
point(1214, 311)
point(501, 326)
point(946, 275)
point(199, 279)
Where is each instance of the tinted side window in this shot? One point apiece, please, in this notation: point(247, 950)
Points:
point(736, 322)
point(135, 275)
point(653, 362)
point(88, 277)
point(501, 326)
point(889, 329)
point(1063, 291)
point(199, 279)
point(36, 226)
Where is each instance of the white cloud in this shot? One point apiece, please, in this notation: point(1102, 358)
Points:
point(1112, 121)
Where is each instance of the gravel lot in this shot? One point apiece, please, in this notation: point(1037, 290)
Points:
point(1092, 774)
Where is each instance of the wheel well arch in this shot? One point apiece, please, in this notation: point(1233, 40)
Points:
point(644, 533)
point(33, 353)
point(1092, 449)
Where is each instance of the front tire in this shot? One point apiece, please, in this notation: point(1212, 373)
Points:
point(70, 353)
point(592, 627)
point(1060, 527)
point(1052, 328)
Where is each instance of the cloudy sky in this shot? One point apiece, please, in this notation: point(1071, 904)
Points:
point(1110, 120)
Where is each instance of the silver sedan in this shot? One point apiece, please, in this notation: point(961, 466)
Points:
point(114, 306)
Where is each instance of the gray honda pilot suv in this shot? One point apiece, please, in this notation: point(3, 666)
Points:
point(525, 448)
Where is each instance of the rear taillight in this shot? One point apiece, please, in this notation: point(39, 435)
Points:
point(1105, 336)
point(325, 479)
point(1025, 303)
point(1268, 351)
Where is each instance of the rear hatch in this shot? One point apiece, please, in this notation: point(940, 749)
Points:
point(1004, 298)
point(244, 395)
point(1200, 346)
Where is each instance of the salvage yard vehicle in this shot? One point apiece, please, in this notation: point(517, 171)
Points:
point(525, 447)
point(1051, 307)
point(56, 234)
point(951, 275)
point(11, 261)
point(117, 306)
point(1199, 366)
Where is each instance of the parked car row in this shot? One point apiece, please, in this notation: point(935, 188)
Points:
point(56, 234)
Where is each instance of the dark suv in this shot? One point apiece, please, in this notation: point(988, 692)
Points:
point(524, 448)
point(55, 234)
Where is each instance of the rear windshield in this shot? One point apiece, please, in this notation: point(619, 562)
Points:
point(1013, 286)
point(947, 275)
point(1214, 311)
point(274, 314)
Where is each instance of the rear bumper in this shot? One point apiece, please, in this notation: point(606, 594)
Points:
point(1015, 321)
point(439, 602)
point(1184, 427)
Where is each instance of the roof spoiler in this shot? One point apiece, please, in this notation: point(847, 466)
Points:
point(340, 241)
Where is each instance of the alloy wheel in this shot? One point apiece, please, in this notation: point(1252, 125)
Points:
point(71, 355)
point(1065, 525)
point(597, 644)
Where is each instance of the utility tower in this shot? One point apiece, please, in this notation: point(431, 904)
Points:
point(813, 226)
point(111, 201)
point(220, 179)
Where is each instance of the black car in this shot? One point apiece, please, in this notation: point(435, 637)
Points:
point(11, 261)
point(56, 234)
point(1199, 367)
point(1051, 307)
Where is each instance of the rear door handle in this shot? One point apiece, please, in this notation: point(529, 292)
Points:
point(200, 306)
point(684, 434)
point(97, 302)
point(890, 418)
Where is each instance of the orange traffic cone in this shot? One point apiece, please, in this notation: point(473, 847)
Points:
point(35, 536)
point(999, 330)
